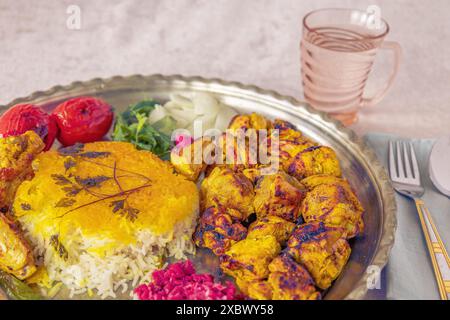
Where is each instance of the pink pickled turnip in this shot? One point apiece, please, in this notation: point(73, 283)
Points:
point(179, 281)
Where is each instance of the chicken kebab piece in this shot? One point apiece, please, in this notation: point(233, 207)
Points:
point(217, 231)
point(239, 149)
point(278, 195)
point(290, 141)
point(229, 190)
point(250, 121)
point(299, 156)
point(332, 200)
point(253, 262)
point(287, 280)
point(235, 153)
point(321, 249)
point(313, 160)
point(271, 226)
point(226, 201)
point(277, 206)
point(188, 160)
point(276, 200)
point(16, 156)
point(249, 259)
point(277, 203)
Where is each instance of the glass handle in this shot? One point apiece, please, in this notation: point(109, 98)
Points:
point(397, 49)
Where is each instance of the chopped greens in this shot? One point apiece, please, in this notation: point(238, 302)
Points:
point(16, 289)
point(133, 126)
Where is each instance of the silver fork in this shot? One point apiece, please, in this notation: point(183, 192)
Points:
point(405, 176)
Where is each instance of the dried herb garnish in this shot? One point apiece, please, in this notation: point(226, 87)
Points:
point(59, 248)
point(61, 180)
point(71, 150)
point(69, 163)
point(94, 154)
point(130, 213)
point(65, 202)
point(25, 206)
point(115, 169)
point(72, 191)
point(122, 208)
point(91, 182)
point(119, 206)
point(76, 150)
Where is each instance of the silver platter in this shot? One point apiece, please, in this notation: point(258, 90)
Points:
point(358, 161)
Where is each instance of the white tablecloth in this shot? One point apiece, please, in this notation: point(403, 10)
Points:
point(253, 41)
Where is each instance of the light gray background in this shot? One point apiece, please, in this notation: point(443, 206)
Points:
point(253, 41)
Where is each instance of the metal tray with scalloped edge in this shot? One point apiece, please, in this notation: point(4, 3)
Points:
point(359, 164)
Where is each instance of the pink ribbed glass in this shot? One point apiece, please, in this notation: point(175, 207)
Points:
point(338, 49)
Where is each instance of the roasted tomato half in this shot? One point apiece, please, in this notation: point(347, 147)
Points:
point(25, 117)
point(82, 119)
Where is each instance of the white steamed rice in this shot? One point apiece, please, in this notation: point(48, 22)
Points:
point(120, 271)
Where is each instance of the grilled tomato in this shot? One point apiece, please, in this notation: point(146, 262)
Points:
point(82, 119)
point(25, 117)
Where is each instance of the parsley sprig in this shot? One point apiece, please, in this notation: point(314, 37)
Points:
point(133, 126)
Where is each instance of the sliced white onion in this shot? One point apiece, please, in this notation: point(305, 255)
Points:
point(182, 101)
point(208, 121)
point(172, 105)
point(157, 114)
point(205, 104)
point(183, 114)
point(200, 106)
point(190, 128)
point(224, 117)
point(181, 122)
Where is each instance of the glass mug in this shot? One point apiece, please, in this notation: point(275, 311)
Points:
point(338, 48)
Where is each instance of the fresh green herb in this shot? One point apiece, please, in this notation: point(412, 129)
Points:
point(133, 126)
point(16, 289)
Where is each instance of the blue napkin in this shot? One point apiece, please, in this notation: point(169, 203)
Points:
point(409, 273)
